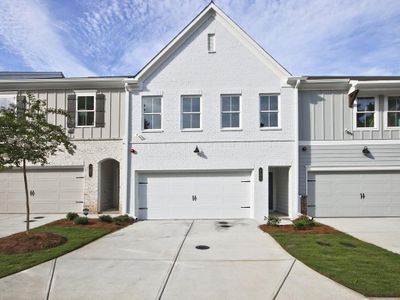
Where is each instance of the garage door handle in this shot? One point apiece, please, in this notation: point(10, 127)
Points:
point(245, 207)
point(78, 201)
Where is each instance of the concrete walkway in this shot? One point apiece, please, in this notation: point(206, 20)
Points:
point(383, 232)
point(159, 260)
point(13, 223)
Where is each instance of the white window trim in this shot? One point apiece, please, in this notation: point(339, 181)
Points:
point(85, 94)
point(376, 115)
point(9, 95)
point(200, 113)
point(385, 113)
point(142, 114)
point(279, 127)
point(214, 40)
point(240, 113)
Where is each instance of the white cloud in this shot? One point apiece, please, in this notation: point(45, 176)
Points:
point(27, 30)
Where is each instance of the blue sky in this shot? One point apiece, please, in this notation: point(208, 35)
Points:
point(117, 37)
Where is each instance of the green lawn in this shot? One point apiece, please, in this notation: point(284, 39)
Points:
point(76, 236)
point(365, 268)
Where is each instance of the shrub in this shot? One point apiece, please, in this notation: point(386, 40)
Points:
point(71, 216)
point(123, 219)
point(303, 222)
point(81, 221)
point(106, 218)
point(273, 220)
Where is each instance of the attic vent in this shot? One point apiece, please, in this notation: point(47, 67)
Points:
point(211, 42)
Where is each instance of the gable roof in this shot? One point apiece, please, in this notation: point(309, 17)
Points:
point(213, 10)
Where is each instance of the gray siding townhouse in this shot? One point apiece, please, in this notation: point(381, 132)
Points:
point(214, 127)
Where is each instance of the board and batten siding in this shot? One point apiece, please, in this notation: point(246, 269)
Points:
point(345, 156)
point(114, 113)
point(325, 115)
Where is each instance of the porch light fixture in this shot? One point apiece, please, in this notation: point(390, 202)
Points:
point(366, 151)
point(86, 211)
point(90, 170)
point(196, 150)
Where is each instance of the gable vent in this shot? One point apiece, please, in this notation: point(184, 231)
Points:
point(211, 42)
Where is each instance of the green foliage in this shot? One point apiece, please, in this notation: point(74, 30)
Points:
point(81, 221)
point(123, 219)
point(106, 218)
point(71, 216)
point(303, 222)
point(273, 220)
point(25, 133)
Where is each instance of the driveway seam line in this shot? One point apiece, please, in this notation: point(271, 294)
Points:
point(49, 285)
point(284, 280)
point(174, 262)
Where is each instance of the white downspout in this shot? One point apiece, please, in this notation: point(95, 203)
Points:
point(295, 175)
point(126, 153)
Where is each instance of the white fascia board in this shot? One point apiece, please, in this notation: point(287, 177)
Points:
point(351, 168)
point(349, 142)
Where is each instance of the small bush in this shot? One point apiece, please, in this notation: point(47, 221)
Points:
point(106, 218)
point(81, 221)
point(123, 219)
point(71, 216)
point(273, 220)
point(303, 222)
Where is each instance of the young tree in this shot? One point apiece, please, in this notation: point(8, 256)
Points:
point(27, 137)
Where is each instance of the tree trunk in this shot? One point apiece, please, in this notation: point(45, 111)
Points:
point(26, 197)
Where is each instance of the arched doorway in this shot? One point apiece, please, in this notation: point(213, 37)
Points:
point(108, 185)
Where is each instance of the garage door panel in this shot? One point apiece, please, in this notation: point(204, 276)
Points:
point(170, 196)
point(338, 194)
point(56, 190)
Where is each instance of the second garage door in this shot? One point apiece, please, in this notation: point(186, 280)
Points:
point(194, 195)
point(52, 190)
point(354, 194)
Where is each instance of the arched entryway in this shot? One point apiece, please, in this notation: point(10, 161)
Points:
point(108, 185)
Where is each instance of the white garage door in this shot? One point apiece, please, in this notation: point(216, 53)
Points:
point(54, 191)
point(194, 195)
point(354, 194)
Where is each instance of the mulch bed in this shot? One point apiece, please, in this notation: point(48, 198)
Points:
point(317, 229)
point(22, 243)
point(93, 223)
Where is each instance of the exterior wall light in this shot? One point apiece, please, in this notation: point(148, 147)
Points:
point(196, 150)
point(90, 170)
point(366, 151)
point(86, 211)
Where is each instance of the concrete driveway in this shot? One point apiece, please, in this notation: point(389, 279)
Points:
point(159, 260)
point(13, 223)
point(383, 232)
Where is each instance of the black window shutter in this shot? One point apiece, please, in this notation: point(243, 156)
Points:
point(100, 108)
point(71, 109)
point(21, 106)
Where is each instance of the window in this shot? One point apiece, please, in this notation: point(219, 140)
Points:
point(211, 42)
point(365, 113)
point(393, 111)
point(7, 99)
point(151, 113)
point(85, 110)
point(191, 112)
point(230, 111)
point(269, 111)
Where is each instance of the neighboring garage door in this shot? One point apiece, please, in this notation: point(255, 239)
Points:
point(54, 190)
point(194, 195)
point(354, 194)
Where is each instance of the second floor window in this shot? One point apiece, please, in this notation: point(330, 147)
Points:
point(230, 111)
point(190, 112)
point(393, 111)
point(85, 110)
point(151, 113)
point(365, 112)
point(269, 111)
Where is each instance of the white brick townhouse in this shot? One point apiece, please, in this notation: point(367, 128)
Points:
point(214, 127)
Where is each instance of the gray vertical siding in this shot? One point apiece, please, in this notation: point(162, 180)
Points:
point(324, 116)
point(345, 155)
point(114, 113)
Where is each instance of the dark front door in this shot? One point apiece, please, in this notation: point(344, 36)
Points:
point(270, 191)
